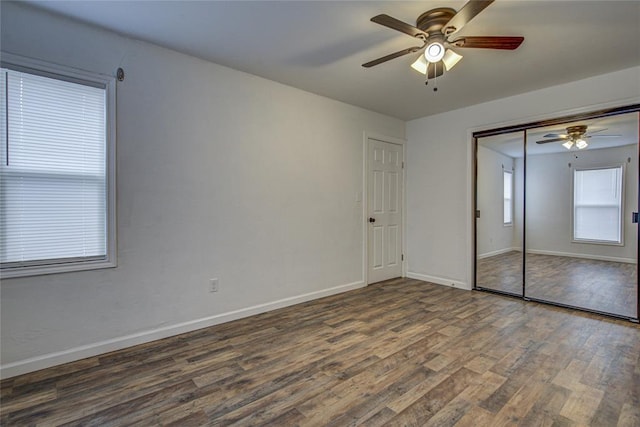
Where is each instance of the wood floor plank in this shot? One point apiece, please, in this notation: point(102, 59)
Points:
point(402, 352)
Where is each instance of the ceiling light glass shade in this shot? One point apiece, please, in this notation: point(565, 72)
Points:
point(568, 144)
point(581, 143)
point(450, 59)
point(420, 65)
point(434, 52)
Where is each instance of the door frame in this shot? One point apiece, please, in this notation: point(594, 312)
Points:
point(365, 200)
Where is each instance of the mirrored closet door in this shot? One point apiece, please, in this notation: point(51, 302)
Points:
point(499, 212)
point(556, 207)
point(582, 191)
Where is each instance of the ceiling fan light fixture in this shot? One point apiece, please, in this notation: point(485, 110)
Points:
point(450, 59)
point(568, 145)
point(420, 65)
point(434, 52)
point(581, 143)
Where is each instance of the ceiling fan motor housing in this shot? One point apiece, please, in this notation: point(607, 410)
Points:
point(576, 132)
point(435, 19)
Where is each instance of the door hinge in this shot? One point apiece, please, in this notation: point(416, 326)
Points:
point(402, 165)
point(402, 257)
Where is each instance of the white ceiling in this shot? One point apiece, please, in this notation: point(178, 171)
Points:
point(319, 46)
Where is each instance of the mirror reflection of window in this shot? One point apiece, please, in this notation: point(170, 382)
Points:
point(508, 197)
point(597, 205)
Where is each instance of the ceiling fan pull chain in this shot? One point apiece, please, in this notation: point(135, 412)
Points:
point(426, 75)
point(435, 76)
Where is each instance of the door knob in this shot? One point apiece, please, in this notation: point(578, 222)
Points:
point(372, 220)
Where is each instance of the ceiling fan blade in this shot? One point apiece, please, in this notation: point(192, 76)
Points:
point(466, 14)
point(488, 42)
point(546, 141)
point(395, 24)
point(392, 56)
point(603, 136)
point(555, 135)
point(435, 70)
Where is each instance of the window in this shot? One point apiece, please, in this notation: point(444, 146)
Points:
point(56, 170)
point(508, 197)
point(597, 205)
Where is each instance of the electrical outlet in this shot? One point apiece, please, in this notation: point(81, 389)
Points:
point(214, 285)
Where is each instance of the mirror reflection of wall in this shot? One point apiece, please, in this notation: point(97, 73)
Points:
point(499, 199)
point(581, 243)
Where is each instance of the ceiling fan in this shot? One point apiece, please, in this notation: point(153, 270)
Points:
point(435, 29)
point(576, 135)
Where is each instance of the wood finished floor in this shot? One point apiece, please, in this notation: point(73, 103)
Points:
point(604, 286)
point(402, 352)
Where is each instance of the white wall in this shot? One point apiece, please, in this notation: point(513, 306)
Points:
point(493, 236)
point(439, 190)
point(550, 196)
point(220, 174)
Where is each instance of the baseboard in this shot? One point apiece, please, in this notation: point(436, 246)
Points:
point(77, 353)
point(438, 280)
point(582, 256)
point(498, 252)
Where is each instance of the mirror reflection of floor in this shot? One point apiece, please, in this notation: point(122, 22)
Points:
point(501, 272)
point(596, 285)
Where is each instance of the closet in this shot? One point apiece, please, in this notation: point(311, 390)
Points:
point(556, 207)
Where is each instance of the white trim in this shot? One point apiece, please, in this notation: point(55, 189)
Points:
point(52, 359)
point(582, 256)
point(498, 252)
point(109, 83)
point(438, 280)
point(365, 200)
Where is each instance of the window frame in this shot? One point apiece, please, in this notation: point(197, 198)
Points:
point(575, 169)
point(510, 223)
point(56, 71)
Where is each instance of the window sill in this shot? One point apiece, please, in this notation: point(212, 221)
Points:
point(598, 242)
point(40, 270)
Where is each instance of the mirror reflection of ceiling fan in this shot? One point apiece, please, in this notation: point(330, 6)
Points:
point(436, 29)
point(576, 135)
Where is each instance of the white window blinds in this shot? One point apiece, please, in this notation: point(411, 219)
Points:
point(53, 182)
point(597, 205)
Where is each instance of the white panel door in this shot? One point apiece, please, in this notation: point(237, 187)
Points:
point(384, 196)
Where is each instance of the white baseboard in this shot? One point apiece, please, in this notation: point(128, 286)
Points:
point(52, 359)
point(498, 252)
point(582, 256)
point(438, 280)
